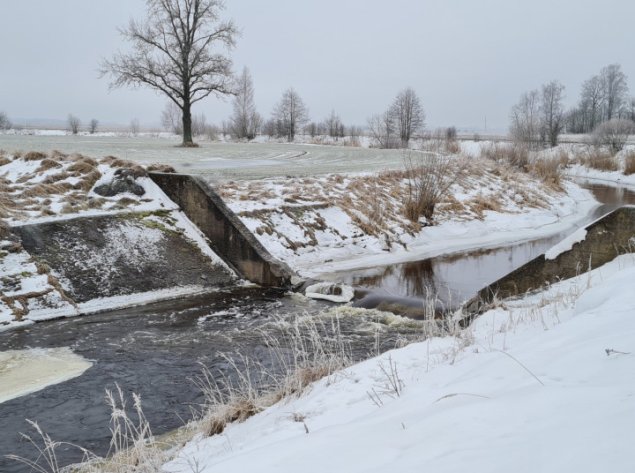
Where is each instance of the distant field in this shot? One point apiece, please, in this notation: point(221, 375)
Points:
point(217, 160)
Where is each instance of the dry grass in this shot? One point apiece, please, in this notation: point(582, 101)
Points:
point(47, 164)
point(629, 163)
point(82, 166)
point(166, 168)
point(514, 155)
point(549, 171)
point(4, 160)
point(34, 156)
point(303, 351)
point(600, 159)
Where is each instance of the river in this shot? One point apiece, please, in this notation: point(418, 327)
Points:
point(157, 350)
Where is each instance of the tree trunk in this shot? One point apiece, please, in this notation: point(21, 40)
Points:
point(187, 125)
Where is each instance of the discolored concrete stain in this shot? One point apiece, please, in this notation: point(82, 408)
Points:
point(119, 255)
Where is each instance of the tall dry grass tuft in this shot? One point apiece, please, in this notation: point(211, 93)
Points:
point(629, 163)
point(303, 351)
point(600, 159)
point(34, 156)
point(429, 177)
point(549, 171)
point(515, 155)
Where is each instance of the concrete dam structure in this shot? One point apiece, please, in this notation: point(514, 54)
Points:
point(600, 242)
point(228, 236)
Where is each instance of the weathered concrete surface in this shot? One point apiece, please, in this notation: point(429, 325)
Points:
point(119, 255)
point(606, 238)
point(229, 237)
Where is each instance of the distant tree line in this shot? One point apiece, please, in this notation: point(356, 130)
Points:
point(604, 109)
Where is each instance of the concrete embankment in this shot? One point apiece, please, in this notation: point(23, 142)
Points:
point(590, 248)
point(228, 236)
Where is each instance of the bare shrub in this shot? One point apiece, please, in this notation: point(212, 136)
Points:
point(5, 123)
point(73, 124)
point(429, 177)
point(613, 133)
point(629, 163)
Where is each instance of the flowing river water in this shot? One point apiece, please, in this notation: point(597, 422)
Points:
point(157, 350)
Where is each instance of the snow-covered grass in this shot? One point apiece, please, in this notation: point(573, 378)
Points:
point(539, 384)
point(337, 222)
point(37, 188)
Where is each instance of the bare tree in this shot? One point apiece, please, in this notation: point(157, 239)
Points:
point(5, 123)
point(382, 130)
point(290, 114)
point(334, 126)
point(408, 115)
point(615, 89)
point(171, 118)
point(92, 126)
point(552, 112)
point(74, 124)
point(592, 103)
point(245, 122)
point(525, 119)
point(269, 128)
point(199, 124)
point(172, 52)
point(613, 133)
point(134, 127)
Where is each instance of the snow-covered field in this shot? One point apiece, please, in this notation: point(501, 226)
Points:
point(541, 384)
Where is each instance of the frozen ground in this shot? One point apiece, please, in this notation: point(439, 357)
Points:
point(540, 384)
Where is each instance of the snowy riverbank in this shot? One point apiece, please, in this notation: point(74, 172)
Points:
point(321, 225)
point(539, 384)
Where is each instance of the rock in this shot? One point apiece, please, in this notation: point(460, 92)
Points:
point(123, 182)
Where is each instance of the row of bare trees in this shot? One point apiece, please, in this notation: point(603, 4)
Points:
point(539, 117)
point(603, 97)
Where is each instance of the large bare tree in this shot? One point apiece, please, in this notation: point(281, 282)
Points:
point(525, 119)
point(290, 114)
point(552, 112)
point(615, 87)
point(245, 122)
point(408, 115)
point(173, 52)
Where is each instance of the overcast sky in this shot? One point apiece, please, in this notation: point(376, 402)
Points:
point(467, 59)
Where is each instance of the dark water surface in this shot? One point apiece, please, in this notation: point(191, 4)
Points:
point(156, 350)
point(455, 278)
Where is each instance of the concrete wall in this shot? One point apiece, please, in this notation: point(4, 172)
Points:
point(606, 238)
point(229, 237)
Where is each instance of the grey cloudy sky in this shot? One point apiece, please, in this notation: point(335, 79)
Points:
point(467, 59)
